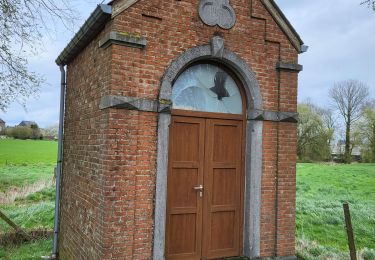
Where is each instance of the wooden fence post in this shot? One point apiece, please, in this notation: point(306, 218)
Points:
point(349, 231)
point(14, 225)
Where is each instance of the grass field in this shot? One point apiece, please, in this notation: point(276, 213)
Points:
point(25, 152)
point(31, 213)
point(12, 176)
point(34, 212)
point(321, 191)
point(24, 164)
point(34, 250)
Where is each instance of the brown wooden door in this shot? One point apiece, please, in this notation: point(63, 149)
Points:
point(222, 181)
point(184, 206)
point(205, 152)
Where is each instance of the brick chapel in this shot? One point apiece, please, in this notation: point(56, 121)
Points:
point(180, 129)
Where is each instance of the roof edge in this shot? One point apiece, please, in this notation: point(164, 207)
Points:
point(92, 26)
point(121, 6)
point(103, 13)
point(284, 24)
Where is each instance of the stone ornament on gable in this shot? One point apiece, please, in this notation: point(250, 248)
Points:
point(217, 12)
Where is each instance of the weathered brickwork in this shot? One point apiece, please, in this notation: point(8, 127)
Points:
point(85, 134)
point(129, 185)
point(108, 184)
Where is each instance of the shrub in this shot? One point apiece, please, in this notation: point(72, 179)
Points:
point(22, 133)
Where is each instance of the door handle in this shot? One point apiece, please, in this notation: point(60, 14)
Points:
point(200, 189)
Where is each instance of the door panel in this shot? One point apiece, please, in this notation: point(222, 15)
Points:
point(222, 201)
point(224, 139)
point(183, 241)
point(184, 206)
point(186, 133)
point(204, 152)
point(184, 180)
point(222, 222)
point(224, 187)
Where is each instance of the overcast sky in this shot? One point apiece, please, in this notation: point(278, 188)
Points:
point(340, 34)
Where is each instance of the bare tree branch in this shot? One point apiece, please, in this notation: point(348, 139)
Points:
point(349, 97)
point(369, 3)
point(23, 23)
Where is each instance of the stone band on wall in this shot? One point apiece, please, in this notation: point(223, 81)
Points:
point(289, 66)
point(275, 116)
point(165, 106)
point(129, 103)
point(123, 38)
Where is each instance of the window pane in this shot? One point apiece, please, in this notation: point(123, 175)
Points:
point(206, 88)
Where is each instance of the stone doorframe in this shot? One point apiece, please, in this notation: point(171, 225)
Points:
point(253, 154)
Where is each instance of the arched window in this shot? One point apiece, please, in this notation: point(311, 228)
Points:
point(206, 88)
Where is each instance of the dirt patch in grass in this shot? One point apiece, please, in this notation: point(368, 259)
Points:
point(15, 239)
point(22, 192)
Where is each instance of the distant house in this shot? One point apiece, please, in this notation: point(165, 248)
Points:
point(28, 123)
point(2, 125)
point(339, 149)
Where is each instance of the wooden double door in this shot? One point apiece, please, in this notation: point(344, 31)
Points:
point(205, 177)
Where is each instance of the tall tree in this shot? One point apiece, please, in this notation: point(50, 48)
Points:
point(23, 23)
point(349, 97)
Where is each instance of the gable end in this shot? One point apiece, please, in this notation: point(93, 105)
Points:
point(270, 5)
point(284, 24)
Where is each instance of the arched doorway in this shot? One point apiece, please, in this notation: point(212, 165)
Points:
point(253, 131)
point(205, 173)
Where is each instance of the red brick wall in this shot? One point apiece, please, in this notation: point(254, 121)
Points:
point(85, 141)
point(129, 184)
point(110, 155)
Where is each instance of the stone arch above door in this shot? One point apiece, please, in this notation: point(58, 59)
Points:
point(253, 155)
point(215, 51)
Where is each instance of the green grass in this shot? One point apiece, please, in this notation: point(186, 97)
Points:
point(36, 211)
point(21, 175)
point(24, 163)
point(27, 152)
point(321, 191)
point(47, 194)
point(34, 250)
point(308, 250)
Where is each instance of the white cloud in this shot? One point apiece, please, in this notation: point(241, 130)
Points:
point(341, 40)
